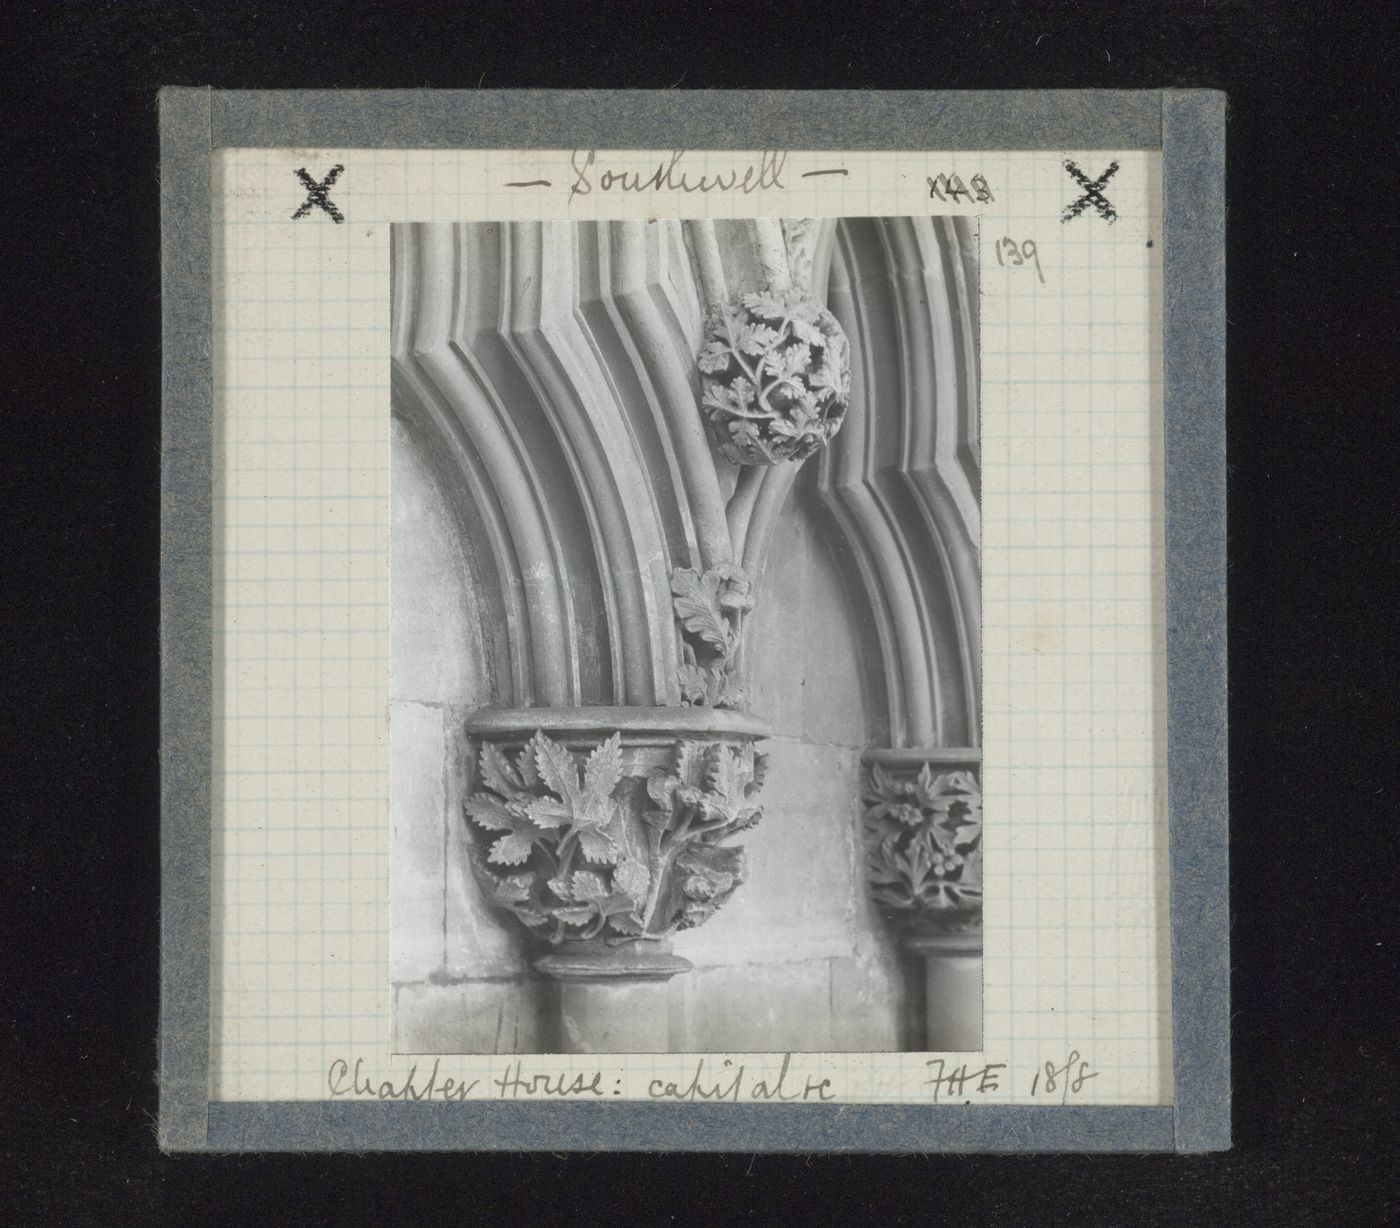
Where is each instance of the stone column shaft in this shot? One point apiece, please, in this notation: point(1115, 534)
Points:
point(952, 991)
point(613, 1000)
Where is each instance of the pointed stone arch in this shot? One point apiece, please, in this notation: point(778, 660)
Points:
point(899, 484)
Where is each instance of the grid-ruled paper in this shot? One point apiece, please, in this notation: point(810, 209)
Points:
point(1076, 927)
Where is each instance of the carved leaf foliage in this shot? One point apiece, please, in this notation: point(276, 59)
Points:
point(518, 893)
point(923, 845)
point(557, 770)
point(497, 772)
point(707, 876)
point(757, 338)
point(766, 303)
point(626, 924)
point(709, 608)
point(697, 605)
point(633, 879)
point(714, 357)
point(775, 376)
point(790, 362)
point(512, 849)
point(550, 816)
point(597, 845)
point(558, 854)
point(697, 685)
point(722, 771)
point(601, 776)
point(587, 886)
point(690, 763)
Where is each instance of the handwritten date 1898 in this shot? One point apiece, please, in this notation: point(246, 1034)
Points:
point(1063, 1081)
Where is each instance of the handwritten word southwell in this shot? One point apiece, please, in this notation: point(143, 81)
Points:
point(672, 176)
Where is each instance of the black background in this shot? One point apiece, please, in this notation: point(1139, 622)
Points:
point(1313, 552)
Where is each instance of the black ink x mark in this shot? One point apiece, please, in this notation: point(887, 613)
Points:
point(1093, 193)
point(318, 194)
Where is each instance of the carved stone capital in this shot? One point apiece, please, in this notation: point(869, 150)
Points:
point(923, 840)
point(603, 830)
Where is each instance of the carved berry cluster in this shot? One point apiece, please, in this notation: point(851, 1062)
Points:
point(924, 846)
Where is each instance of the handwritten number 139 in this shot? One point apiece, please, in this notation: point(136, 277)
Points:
point(1009, 252)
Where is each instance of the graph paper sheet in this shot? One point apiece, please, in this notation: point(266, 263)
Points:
point(1076, 929)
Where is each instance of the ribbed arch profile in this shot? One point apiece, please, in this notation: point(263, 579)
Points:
point(899, 484)
point(549, 369)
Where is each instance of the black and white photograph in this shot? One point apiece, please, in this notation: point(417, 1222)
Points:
point(685, 666)
point(540, 532)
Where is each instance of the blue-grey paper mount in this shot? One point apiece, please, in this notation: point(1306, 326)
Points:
point(1188, 126)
